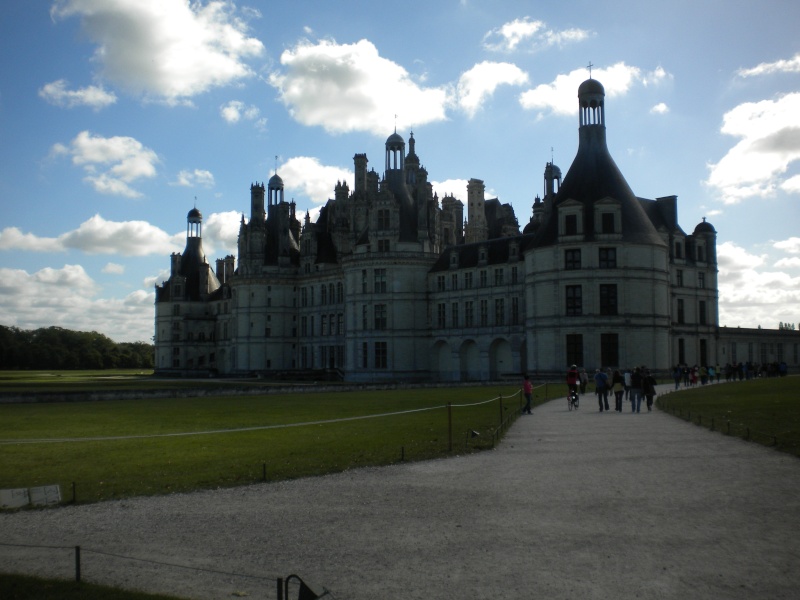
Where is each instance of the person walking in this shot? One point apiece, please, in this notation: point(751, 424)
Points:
point(676, 375)
point(527, 390)
point(601, 388)
point(649, 389)
point(618, 389)
point(636, 390)
point(584, 381)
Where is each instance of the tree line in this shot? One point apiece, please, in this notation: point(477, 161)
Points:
point(58, 348)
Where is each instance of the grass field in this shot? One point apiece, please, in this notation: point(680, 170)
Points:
point(766, 411)
point(22, 587)
point(159, 447)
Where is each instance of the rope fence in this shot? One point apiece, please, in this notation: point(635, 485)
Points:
point(80, 553)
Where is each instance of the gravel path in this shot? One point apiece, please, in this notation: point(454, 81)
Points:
point(570, 505)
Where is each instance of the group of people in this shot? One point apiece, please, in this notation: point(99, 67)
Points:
point(702, 374)
point(628, 385)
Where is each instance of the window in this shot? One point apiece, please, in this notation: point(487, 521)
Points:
point(454, 315)
point(681, 312)
point(323, 294)
point(681, 351)
point(608, 303)
point(701, 280)
point(176, 310)
point(340, 324)
point(609, 349)
point(679, 278)
point(364, 355)
point(499, 312)
point(571, 225)
point(608, 258)
point(364, 317)
point(498, 276)
point(383, 219)
point(380, 316)
point(514, 275)
point(701, 316)
point(678, 250)
point(607, 225)
point(339, 292)
point(381, 355)
point(303, 297)
point(363, 281)
point(380, 281)
point(484, 279)
point(515, 311)
point(484, 313)
point(574, 349)
point(701, 254)
point(468, 281)
point(574, 301)
point(469, 314)
point(383, 246)
point(572, 259)
point(440, 283)
point(440, 315)
point(454, 281)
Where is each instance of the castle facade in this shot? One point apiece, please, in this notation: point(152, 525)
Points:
point(392, 283)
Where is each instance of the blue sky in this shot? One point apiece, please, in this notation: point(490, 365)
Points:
point(115, 115)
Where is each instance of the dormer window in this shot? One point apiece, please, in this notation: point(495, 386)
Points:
point(571, 225)
point(607, 223)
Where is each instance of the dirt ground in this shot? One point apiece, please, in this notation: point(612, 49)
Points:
point(570, 505)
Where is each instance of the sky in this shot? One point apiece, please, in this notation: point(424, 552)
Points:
point(117, 117)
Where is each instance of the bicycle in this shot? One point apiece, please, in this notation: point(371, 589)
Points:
point(573, 400)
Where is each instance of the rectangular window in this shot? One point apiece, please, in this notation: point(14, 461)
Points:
point(701, 254)
point(681, 351)
point(701, 280)
point(440, 315)
point(454, 282)
point(498, 276)
point(468, 281)
point(380, 281)
point(381, 355)
point(608, 258)
point(340, 324)
point(514, 275)
point(681, 312)
point(363, 282)
point(571, 225)
point(572, 259)
point(608, 302)
point(678, 250)
point(499, 312)
point(484, 313)
point(701, 316)
point(574, 349)
point(380, 316)
point(383, 219)
point(515, 311)
point(383, 246)
point(364, 355)
point(469, 314)
point(364, 317)
point(484, 279)
point(454, 315)
point(607, 222)
point(574, 299)
point(679, 277)
point(440, 283)
point(609, 349)
point(324, 324)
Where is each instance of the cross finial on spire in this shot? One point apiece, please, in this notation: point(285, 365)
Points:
point(276, 164)
point(395, 123)
point(590, 65)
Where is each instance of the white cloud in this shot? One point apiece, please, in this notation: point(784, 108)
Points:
point(769, 141)
point(350, 87)
point(451, 187)
point(660, 109)
point(788, 263)
point(234, 111)
point(309, 177)
point(743, 287)
point(92, 96)
point(222, 230)
point(479, 83)
point(791, 246)
point(113, 269)
point(196, 177)
point(66, 298)
point(779, 66)
point(151, 282)
point(559, 97)
point(529, 35)
point(98, 236)
point(110, 164)
point(165, 49)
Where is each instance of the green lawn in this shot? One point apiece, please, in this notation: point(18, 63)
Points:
point(23, 587)
point(299, 443)
point(766, 411)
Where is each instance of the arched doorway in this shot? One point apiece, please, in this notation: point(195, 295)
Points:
point(501, 361)
point(470, 360)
